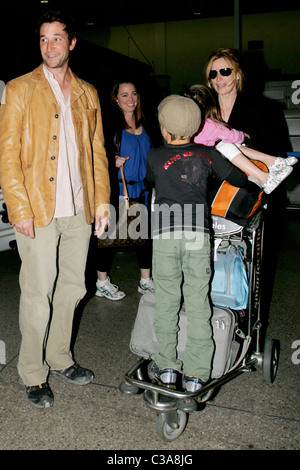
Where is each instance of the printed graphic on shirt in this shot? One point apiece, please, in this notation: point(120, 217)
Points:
point(186, 154)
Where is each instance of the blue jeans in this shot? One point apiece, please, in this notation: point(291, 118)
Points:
point(176, 259)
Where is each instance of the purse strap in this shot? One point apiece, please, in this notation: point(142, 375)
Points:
point(125, 192)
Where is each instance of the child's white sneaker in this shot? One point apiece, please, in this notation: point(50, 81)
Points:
point(275, 178)
point(281, 163)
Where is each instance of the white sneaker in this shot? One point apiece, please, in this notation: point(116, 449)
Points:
point(191, 383)
point(146, 287)
point(281, 163)
point(291, 160)
point(275, 178)
point(108, 290)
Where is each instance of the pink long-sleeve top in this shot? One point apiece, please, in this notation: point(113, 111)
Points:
point(212, 132)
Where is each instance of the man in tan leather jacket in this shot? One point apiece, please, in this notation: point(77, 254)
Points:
point(54, 178)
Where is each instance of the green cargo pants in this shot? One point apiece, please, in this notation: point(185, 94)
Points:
point(179, 261)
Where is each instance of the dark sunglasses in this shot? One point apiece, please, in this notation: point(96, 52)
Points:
point(224, 72)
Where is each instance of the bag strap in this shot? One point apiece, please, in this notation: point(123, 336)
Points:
point(125, 192)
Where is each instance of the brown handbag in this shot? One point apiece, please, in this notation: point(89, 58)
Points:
point(124, 233)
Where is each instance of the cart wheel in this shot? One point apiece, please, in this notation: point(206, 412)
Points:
point(128, 389)
point(169, 432)
point(270, 360)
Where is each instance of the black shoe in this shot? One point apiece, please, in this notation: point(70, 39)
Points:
point(39, 396)
point(75, 374)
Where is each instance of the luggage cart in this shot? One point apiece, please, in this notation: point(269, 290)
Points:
point(173, 406)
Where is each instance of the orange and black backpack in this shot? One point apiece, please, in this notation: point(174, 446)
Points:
point(238, 204)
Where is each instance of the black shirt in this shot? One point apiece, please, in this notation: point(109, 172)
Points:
point(181, 174)
point(264, 121)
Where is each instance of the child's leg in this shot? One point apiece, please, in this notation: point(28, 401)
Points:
point(244, 164)
point(233, 153)
point(167, 275)
point(256, 155)
point(269, 181)
point(273, 163)
point(197, 273)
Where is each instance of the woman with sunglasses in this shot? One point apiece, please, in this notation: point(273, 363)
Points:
point(246, 109)
point(242, 107)
point(225, 77)
point(215, 133)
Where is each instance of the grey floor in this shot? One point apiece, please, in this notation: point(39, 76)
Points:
point(246, 414)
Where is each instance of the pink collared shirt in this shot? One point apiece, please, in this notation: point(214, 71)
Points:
point(69, 199)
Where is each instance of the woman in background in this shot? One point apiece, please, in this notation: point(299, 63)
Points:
point(243, 109)
point(127, 146)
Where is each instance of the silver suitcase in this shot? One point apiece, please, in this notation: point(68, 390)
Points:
point(143, 340)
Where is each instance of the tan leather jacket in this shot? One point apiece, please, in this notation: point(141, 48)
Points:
point(29, 131)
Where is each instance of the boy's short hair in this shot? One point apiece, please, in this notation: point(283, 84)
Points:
point(179, 115)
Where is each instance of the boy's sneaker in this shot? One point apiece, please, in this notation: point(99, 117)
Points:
point(165, 377)
point(146, 286)
point(192, 384)
point(39, 396)
point(108, 290)
point(275, 178)
point(281, 163)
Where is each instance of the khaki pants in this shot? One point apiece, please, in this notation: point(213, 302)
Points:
point(52, 282)
point(180, 262)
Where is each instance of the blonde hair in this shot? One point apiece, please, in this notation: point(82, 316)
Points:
point(230, 56)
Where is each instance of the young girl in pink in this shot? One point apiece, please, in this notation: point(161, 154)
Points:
point(214, 132)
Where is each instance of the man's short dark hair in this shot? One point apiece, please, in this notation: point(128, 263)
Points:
point(62, 17)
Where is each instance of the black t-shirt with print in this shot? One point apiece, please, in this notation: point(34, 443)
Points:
point(181, 175)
